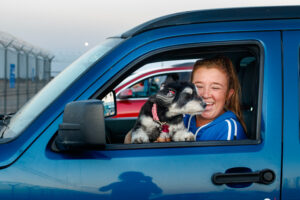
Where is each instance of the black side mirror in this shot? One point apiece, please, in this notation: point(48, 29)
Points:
point(83, 127)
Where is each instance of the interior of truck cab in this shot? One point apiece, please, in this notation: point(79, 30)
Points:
point(246, 59)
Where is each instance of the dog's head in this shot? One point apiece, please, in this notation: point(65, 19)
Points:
point(179, 98)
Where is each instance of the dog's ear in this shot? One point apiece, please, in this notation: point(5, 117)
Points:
point(152, 98)
point(165, 96)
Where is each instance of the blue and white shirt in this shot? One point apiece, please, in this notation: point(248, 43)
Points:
point(224, 127)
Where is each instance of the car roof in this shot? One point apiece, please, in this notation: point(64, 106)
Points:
point(217, 15)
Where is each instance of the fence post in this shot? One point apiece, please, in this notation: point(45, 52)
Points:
point(3, 88)
point(5, 81)
point(19, 75)
point(49, 68)
point(27, 74)
point(5, 75)
point(36, 73)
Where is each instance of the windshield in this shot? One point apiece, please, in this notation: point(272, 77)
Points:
point(54, 88)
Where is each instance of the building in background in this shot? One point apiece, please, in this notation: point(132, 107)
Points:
point(24, 70)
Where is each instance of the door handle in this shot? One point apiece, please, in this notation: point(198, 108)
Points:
point(265, 176)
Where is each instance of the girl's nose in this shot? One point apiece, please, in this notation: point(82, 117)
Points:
point(205, 93)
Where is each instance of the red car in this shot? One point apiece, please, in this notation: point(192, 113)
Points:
point(134, 91)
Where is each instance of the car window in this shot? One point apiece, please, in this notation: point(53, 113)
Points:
point(140, 89)
point(147, 87)
point(155, 83)
point(185, 76)
point(151, 85)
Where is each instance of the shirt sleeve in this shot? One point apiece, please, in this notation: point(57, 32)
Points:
point(228, 129)
point(223, 131)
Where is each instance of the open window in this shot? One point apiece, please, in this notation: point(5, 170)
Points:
point(137, 81)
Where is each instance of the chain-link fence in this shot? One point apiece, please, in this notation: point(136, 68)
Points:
point(24, 70)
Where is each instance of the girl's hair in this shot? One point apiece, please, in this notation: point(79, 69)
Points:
point(224, 64)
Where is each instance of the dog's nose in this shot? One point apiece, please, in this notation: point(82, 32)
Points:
point(203, 104)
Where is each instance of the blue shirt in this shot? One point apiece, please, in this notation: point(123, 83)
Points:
point(224, 127)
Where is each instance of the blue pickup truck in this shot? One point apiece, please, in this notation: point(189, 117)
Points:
point(61, 145)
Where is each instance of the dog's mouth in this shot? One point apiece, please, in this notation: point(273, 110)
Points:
point(196, 112)
point(208, 105)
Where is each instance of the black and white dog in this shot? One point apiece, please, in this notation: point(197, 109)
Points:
point(162, 115)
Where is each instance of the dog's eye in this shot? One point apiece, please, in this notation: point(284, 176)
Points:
point(171, 93)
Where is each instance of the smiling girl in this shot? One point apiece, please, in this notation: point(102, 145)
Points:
point(218, 85)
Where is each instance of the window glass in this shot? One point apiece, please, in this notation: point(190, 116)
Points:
point(147, 87)
point(150, 86)
point(54, 88)
point(155, 83)
point(140, 89)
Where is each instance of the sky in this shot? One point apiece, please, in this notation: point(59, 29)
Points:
point(68, 28)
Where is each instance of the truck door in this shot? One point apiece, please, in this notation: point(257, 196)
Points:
point(246, 169)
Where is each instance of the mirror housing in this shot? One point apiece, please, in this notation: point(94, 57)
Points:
point(83, 127)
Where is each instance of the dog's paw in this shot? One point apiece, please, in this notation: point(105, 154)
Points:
point(164, 135)
point(182, 136)
point(139, 137)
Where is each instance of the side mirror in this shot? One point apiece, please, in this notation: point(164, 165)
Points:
point(125, 94)
point(109, 103)
point(83, 127)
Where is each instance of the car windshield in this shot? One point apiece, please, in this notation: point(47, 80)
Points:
point(54, 88)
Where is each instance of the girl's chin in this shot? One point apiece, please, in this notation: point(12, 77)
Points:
point(207, 114)
point(211, 114)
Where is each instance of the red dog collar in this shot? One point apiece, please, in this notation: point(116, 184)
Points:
point(164, 126)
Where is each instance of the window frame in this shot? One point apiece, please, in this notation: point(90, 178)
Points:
point(135, 64)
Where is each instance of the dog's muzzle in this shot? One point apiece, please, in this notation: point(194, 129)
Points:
point(202, 102)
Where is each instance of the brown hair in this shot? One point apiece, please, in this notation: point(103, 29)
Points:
point(224, 64)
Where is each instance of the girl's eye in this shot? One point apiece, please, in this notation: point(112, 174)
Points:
point(216, 87)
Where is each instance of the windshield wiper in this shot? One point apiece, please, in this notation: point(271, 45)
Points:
point(4, 121)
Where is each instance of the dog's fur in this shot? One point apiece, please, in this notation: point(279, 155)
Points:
point(172, 101)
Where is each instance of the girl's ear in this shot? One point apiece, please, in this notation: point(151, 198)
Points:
point(230, 93)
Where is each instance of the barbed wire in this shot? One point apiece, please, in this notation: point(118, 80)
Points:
point(8, 40)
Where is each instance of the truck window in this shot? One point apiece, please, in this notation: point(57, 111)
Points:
point(246, 61)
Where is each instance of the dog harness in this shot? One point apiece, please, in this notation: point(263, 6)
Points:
point(163, 125)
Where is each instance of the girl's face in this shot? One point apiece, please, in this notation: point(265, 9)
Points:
point(212, 84)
